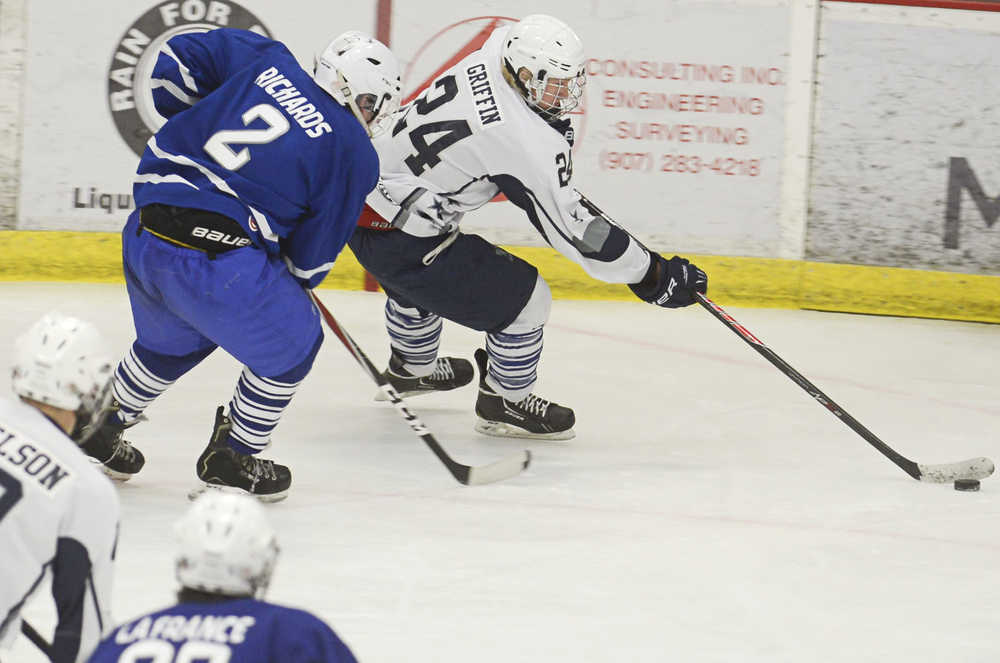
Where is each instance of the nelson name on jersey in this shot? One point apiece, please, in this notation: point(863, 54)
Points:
point(294, 102)
point(30, 460)
point(482, 92)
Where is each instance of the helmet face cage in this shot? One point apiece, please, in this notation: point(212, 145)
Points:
point(553, 57)
point(363, 74)
point(554, 97)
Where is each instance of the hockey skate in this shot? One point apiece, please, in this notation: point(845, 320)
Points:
point(223, 468)
point(117, 457)
point(449, 373)
point(531, 417)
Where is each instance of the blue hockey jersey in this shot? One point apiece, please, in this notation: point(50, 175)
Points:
point(250, 135)
point(241, 630)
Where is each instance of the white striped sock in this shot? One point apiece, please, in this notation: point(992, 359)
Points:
point(414, 337)
point(256, 408)
point(514, 362)
point(136, 386)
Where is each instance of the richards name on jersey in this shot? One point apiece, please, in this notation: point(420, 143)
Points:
point(298, 107)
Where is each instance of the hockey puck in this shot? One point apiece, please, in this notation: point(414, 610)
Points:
point(967, 485)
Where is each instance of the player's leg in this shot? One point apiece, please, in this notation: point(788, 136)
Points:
point(414, 340)
point(507, 406)
point(480, 286)
point(273, 329)
point(414, 332)
point(166, 347)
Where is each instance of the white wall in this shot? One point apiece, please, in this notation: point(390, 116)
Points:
point(902, 91)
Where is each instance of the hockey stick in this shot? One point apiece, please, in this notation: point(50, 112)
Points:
point(973, 468)
point(36, 639)
point(465, 474)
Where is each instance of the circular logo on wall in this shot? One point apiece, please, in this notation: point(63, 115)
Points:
point(130, 95)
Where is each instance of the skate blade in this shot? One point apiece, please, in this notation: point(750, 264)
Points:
point(114, 475)
point(500, 429)
point(199, 490)
point(381, 397)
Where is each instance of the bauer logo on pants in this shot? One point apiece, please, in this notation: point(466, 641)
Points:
point(130, 98)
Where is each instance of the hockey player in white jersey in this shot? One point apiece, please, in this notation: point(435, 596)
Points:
point(496, 122)
point(58, 512)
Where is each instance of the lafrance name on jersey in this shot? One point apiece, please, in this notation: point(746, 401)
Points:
point(226, 629)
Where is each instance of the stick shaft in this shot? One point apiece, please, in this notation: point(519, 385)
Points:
point(36, 639)
point(904, 463)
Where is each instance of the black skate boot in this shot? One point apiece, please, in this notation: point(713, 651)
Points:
point(118, 458)
point(223, 468)
point(530, 417)
point(449, 373)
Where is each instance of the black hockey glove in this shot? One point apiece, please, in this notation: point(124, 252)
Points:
point(670, 283)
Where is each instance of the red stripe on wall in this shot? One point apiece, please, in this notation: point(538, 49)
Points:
point(970, 5)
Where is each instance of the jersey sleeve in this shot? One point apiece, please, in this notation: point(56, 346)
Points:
point(82, 570)
point(311, 248)
point(191, 65)
point(538, 180)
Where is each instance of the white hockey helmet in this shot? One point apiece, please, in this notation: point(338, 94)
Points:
point(63, 362)
point(554, 58)
point(225, 546)
point(363, 74)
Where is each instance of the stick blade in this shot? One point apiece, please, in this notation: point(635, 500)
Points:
point(973, 468)
point(505, 468)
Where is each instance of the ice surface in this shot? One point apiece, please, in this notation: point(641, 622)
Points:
point(708, 509)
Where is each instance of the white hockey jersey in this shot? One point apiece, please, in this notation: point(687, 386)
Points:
point(58, 514)
point(470, 136)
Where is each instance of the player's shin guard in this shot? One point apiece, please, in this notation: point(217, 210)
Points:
point(229, 460)
point(143, 375)
point(414, 367)
point(256, 408)
point(414, 336)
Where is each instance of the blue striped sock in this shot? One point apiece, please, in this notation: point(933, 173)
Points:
point(414, 336)
point(514, 362)
point(136, 386)
point(256, 407)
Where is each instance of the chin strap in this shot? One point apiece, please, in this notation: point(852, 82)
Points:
point(345, 91)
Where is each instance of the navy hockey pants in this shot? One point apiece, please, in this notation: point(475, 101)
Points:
point(472, 282)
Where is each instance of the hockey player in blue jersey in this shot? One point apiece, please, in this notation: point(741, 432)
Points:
point(244, 198)
point(226, 553)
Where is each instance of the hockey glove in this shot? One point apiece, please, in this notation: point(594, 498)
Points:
point(670, 283)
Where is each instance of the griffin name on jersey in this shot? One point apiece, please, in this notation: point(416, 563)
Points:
point(462, 142)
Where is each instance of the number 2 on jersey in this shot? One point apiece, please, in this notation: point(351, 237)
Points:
point(218, 145)
point(451, 131)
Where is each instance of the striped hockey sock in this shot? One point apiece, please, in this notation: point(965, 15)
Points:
point(414, 336)
point(513, 362)
point(137, 384)
point(257, 405)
